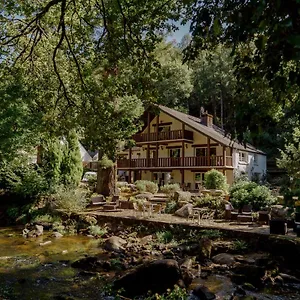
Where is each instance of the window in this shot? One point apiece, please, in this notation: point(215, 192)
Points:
point(165, 128)
point(204, 151)
point(199, 177)
point(243, 157)
point(255, 159)
point(175, 152)
point(200, 152)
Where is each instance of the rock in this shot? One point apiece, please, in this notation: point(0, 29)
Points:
point(205, 248)
point(25, 232)
point(57, 234)
point(186, 263)
point(182, 196)
point(132, 187)
point(39, 229)
point(45, 243)
point(145, 195)
point(156, 276)
point(239, 291)
point(146, 239)
point(184, 211)
point(279, 212)
point(203, 293)
point(248, 286)
point(289, 278)
point(252, 273)
point(92, 264)
point(114, 243)
point(224, 259)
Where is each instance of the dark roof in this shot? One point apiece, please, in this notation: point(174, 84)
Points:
point(214, 132)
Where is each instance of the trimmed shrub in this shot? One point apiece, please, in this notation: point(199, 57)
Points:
point(214, 179)
point(250, 193)
point(146, 186)
point(170, 189)
point(209, 201)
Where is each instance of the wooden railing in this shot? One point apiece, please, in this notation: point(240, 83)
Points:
point(199, 161)
point(164, 136)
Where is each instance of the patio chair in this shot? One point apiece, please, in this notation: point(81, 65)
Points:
point(139, 208)
point(157, 209)
point(247, 210)
point(97, 201)
point(230, 212)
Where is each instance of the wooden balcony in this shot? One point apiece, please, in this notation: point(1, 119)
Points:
point(164, 136)
point(170, 162)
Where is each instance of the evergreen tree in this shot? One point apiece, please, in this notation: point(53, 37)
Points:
point(71, 166)
point(52, 157)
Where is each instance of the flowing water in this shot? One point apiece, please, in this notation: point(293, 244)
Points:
point(31, 271)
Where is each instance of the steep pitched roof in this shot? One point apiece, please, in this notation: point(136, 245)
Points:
point(214, 132)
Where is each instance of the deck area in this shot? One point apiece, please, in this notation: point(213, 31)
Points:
point(129, 216)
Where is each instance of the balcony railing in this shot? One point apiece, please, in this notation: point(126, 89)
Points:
point(164, 136)
point(199, 161)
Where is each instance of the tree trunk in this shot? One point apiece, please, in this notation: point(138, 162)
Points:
point(107, 180)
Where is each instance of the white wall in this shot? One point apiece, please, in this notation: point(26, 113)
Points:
point(250, 167)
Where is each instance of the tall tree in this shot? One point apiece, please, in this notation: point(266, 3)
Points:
point(264, 38)
point(71, 165)
point(173, 82)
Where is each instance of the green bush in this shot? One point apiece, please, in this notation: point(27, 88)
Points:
point(146, 186)
point(250, 193)
point(71, 200)
point(170, 189)
point(171, 207)
point(164, 236)
point(22, 179)
point(214, 179)
point(46, 218)
point(97, 230)
point(209, 201)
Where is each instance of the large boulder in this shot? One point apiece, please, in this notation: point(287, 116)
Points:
point(203, 293)
point(182, 196)
point(157, 277)
point(224, 259)
point(115, 244)
point(184, 211)
point(252, 273)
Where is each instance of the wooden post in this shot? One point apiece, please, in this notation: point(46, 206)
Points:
point(157, 146)
point(130, 157)
point(224, 156)
point(182, 177)
point(208, 151)
point(148, 138)
point(183, 145)
point(129, 179)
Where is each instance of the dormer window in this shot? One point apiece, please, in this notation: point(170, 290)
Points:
point(243, 156)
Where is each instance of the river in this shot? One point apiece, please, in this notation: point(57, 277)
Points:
point(29, 270)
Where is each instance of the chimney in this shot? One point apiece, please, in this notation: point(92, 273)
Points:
point(207, 120)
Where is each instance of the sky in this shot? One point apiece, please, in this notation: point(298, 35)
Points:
point(177, 35)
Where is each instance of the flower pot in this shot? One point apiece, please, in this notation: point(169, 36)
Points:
point(278, 226)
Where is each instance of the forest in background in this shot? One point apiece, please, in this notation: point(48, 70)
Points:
point(92, 67)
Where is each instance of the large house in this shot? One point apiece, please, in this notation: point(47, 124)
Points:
point(174, 147)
